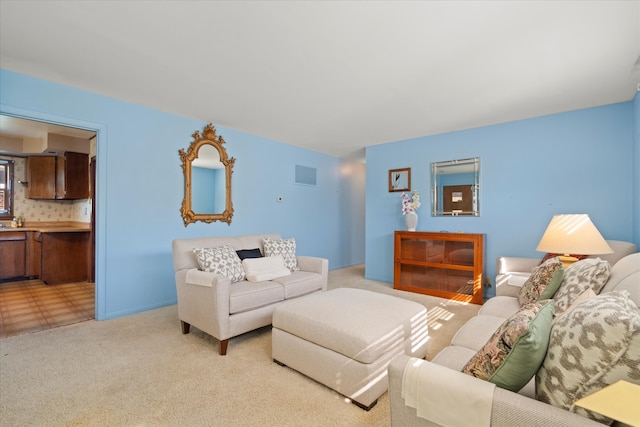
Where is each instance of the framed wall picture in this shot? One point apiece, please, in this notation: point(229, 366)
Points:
point(400, 179)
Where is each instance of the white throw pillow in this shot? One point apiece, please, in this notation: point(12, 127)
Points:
point(266, 268)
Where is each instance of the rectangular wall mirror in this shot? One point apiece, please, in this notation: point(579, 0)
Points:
point(455, 187)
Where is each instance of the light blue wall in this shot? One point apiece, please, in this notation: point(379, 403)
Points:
point(576, 162)
point(636, 167)
point(140, 190)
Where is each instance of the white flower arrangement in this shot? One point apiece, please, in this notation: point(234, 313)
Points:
point(410, 204)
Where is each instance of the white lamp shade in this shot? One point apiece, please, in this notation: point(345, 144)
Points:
point(573, 234)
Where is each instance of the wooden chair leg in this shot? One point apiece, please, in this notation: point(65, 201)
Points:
point(223, 347)
point(185, 327)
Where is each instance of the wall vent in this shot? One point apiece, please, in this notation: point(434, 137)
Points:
point(305, 175)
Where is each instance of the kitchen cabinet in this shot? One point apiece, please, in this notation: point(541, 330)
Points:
point(41, 177)
point(64, 257)
point(72, 176)
point(13, 254)
point(64, 177)
point(34, 254)
point(446, 265)
point(52, 256)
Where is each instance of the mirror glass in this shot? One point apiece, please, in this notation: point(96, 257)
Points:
point(455, 188)
point(207, 179)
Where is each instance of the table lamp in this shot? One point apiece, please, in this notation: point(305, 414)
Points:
point(569, 234)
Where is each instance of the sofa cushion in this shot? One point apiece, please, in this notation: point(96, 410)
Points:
point(500, 306)
point(284, 247)
point(300, 283)
point(589, 273)
point(220, 260)
point(264, 268)
point(477, 331)
point(246, 296)
point(543, 282)
point(625, 275)
point(249, 253)
point(516, 350)
point(453, 357)
point(592, 346)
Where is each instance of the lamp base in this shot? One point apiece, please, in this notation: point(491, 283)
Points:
point(567, 260)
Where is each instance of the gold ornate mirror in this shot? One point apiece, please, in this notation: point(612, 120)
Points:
point(207, 179)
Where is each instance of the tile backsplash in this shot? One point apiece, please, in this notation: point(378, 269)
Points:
point(45, 210)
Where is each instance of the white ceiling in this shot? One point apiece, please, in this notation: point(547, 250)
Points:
point(334, 76)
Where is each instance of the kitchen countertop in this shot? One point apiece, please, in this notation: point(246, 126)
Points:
point(49, 227)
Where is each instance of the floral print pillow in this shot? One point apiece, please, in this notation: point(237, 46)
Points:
point(543, 282)
point(514, 353)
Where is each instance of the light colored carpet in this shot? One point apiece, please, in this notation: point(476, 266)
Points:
point(140, 370)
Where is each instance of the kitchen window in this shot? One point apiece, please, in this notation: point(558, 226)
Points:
point(6, 189)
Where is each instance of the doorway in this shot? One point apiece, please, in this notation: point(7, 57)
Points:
point(87, 297)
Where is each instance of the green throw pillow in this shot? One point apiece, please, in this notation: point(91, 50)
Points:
point(514, 353)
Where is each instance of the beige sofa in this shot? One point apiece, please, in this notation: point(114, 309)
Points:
point(222, 309)
point(507, 408)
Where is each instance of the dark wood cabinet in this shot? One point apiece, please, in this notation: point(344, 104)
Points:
point(64, 177)
point(41, 177)
point(53, 257)
point(34, 254)
point(447, 265)
point(13, 254)
point(72, 176)
point(64, 257)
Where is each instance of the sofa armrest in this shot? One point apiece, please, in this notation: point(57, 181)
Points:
point(205, 305)
point(508, 408)
point(512, 272)
point(507, 264)
point(315, 265)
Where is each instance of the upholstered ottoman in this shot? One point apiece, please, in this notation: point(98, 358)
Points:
point(345, 338)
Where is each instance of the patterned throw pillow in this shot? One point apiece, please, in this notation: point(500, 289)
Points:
point(284, 247)
point(588, 273)
point(543, 282)
point(220, 260)
point(514, 353)
point(592, 346)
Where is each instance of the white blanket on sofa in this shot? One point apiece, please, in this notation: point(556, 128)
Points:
point(428, 388)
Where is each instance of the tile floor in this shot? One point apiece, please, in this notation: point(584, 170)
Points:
point(30, 305)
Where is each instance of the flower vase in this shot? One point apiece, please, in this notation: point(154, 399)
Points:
point(411, 219)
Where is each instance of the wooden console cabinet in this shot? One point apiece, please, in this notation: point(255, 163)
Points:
point(447, 265)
